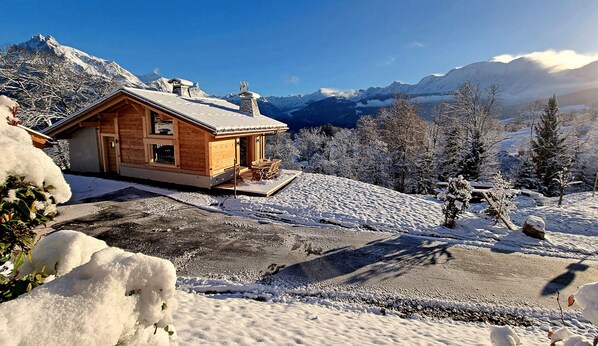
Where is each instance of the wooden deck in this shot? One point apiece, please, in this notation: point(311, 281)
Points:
point(262, 188)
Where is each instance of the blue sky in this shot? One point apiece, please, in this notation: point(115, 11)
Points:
point(291, 47)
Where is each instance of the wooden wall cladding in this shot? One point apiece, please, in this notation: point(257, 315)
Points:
point(222, 154)
point(192, 148)
point(130, 126)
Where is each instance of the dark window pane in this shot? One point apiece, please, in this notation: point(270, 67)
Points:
point(160, 125)
point(163, 154)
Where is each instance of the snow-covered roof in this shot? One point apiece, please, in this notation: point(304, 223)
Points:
point(216, 115)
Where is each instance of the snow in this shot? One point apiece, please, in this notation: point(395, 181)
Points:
point(327, 201)
point(315, 198)
point(568, 338)
point(215, 114)
point(587, 298)
point(20, 158)
point(82, 61)
point(504, 336)
point(60, 252)
point(535, 222)
point(115, 298)
point(233, 320)
point(235, 317)
point(241, 321)
point(86, 187)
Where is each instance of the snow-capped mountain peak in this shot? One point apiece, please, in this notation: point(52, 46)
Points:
point(82, 61)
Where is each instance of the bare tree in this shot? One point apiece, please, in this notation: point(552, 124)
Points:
point(405, 133)
point(46, 86)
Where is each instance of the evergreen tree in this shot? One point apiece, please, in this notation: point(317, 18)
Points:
point(549, 152)
point(474, 157)
point(525, 176)
point(425, 173)
point(450, 152)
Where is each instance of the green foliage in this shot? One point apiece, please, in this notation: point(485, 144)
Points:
point(549, 151)
point(23, 206)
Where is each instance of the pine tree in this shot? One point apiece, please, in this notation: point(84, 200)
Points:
point(425, 173)
point(450, 154)
point(474, 158)
point(525, 172)
point(549, 152)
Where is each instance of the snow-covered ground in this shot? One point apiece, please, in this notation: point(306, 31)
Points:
point(328, 201)
point(227, 320)
point(325, 201)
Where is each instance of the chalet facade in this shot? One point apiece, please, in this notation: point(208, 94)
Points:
point(170, 137)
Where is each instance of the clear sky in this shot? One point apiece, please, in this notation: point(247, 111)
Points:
point(289, 47)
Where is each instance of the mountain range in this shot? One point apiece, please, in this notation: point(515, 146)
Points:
point(520, 81)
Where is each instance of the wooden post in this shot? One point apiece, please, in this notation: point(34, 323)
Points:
point(595, 183)
point(506, 221)
point(235, 171)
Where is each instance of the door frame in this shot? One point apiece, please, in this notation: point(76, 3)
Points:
point(104, 143)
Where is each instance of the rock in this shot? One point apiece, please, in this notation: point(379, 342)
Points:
point(534, 227)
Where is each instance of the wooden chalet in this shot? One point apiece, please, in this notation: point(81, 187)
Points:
point(170, 137)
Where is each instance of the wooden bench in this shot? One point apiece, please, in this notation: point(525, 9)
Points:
point(274, 170)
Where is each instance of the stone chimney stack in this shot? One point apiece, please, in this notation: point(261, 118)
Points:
point(180, 87)
point(249, 101)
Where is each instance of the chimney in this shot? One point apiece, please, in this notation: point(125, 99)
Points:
point(180, 87)
point(248, 101)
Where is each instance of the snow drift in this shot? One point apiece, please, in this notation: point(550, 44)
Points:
point(116, 297)
point(20, 158)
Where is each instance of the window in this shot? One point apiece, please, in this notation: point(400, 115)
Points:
point(160, 124)
point(163, 154)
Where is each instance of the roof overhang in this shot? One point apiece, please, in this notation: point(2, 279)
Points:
point(92, 109)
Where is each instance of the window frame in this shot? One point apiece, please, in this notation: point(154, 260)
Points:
point(150, 119)
point(151, 139)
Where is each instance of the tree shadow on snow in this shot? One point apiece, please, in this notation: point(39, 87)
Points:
point(381, 259)
point(564, 280)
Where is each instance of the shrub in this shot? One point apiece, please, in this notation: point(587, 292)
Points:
point(456, 200)
point(500, 195)
point(23, 206)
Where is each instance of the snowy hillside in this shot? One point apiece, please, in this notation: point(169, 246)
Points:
point(327, 201)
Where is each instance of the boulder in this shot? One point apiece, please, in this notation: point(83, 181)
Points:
point(534, 227)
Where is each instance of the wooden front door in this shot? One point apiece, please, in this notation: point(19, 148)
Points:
point(110, 162)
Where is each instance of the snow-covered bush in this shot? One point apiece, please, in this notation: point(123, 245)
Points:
point(587, 298)
point(61, 252)
point(456, 199)
point(30, 186)
point(116, 297)
point(500, 195)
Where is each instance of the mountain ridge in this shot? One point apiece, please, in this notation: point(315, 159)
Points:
point(520, 80)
